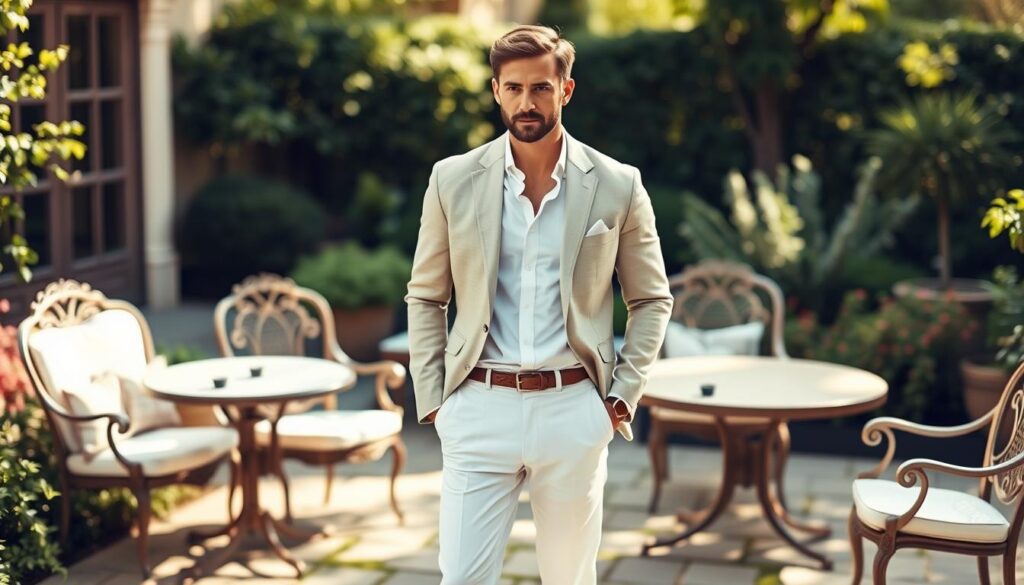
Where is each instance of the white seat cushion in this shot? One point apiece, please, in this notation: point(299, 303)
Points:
point(945, 514)
point(161, 452)
point(330, 430)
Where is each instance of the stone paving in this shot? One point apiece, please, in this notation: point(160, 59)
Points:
point(369, 548)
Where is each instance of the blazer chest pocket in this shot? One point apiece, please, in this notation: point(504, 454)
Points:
point(602, 239)
point(455, 343)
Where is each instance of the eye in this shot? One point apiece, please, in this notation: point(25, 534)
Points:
point(544, 88)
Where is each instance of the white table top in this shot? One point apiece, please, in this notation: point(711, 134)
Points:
point(283, 378)
point(787, 389)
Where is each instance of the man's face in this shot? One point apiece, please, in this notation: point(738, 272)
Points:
point(531, 95)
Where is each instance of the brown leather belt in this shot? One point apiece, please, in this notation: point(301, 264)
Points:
point(529, 381)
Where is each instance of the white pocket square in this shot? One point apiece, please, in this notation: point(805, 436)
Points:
point(598, 228)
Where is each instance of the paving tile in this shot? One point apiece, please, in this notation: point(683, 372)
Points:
point(709, 574)
point(424, 561)
point(705, 546)
point(79, 577)
point(342, 576)
point(645, 571)
point(805, 576)
point(404, 578)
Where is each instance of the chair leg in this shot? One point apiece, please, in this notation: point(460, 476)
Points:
point(657, 450)
point(142, 527)
point(1010, 565)
point(983, 576)
point(65, 513)
point(856, 545)
point(882, 563)
point(330, 482)
point(397, 463)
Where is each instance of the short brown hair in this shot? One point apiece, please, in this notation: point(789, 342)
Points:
point(528, 41)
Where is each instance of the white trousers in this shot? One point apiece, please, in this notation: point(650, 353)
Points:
point(494, 440)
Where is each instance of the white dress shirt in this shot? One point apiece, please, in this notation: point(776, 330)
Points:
point(527, 330)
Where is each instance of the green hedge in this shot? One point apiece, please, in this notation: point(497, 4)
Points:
point(240, 225)
point(331, 97)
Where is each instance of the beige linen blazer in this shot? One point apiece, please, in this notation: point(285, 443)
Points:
point(458, 247)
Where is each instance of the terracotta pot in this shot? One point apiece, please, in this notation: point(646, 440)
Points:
point(983, 386)
point(360, 331)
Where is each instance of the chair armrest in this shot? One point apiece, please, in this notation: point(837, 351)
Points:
point(919, 466)
point(883, 427)
point(390, 375)
point(916, 470)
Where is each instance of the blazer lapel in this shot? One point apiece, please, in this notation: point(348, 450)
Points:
point(488, 186)
point(580, 188)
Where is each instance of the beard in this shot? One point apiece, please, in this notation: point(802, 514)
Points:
point(529, 132)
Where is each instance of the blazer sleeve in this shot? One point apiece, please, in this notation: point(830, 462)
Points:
point(429, 292)
point(640, 270)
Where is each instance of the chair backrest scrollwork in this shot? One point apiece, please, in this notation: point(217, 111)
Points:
point(62, 305)
point(268, 314)
point(1006, 440)
point(719, 293)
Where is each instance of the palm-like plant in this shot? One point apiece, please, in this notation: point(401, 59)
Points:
point(944, 146)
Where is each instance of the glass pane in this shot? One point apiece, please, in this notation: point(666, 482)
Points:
point(37, 226)
point(81, 204)
point(114, 221)
point(34, 36)
point(78, 55)
point(109, 37)
point(31, 114)
point(82, 112)
point(110, 134)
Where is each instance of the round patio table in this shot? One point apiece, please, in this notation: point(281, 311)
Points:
point(777, 390)
point(282, 379)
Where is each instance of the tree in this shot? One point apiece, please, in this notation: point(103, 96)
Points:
point(24, 76)
point(760, 45)
point(944, 146)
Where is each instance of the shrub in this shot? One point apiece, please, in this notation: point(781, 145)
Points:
point(351, 277)
point(332, 90)
point(911, 343)
point(239, 225)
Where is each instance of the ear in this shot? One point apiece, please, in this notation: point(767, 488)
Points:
point(494, 90)
point(568, 87)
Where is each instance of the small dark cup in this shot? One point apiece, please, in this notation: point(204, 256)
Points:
point(220, 382)
point(256, 371)
point(707, 389)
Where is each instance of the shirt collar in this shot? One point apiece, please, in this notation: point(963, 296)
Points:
point(510, 162)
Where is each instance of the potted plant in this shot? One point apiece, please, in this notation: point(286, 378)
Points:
point(943, 146)
point(986, 374)
point(362, 287)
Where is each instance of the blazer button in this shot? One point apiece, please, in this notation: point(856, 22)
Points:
point(486, 328)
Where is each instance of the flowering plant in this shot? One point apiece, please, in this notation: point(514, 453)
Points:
point(907, 341)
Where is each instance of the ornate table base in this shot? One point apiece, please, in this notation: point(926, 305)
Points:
point(748, 460)
point(254, 528)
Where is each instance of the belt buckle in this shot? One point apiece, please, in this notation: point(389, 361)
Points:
point(519, 380)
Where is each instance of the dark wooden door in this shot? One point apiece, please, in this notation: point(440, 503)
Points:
point(89, 228)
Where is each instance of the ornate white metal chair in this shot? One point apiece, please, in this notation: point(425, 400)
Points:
point(72, 344)
point(712, 295)
point(271, 315)
point(902, 514)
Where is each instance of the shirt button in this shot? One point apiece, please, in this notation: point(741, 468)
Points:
point(486, 328)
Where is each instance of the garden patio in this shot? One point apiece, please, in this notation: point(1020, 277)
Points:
point(842, 178)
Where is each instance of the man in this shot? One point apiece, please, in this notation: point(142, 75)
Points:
point(525, 388)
